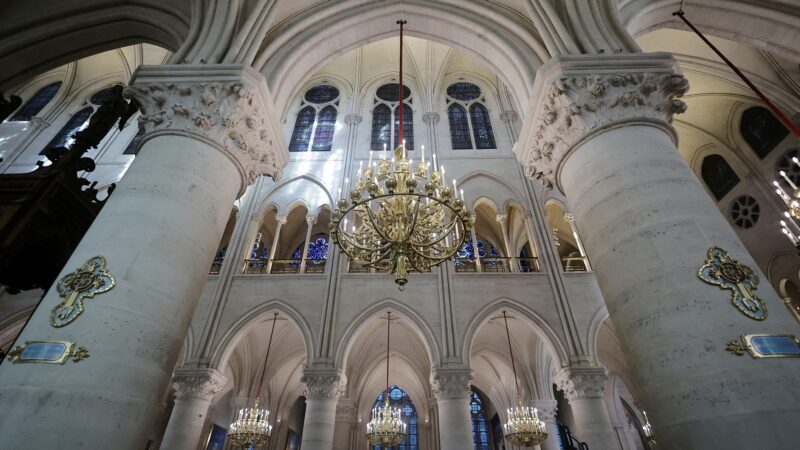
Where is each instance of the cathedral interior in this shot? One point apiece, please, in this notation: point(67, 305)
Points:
point(621, 252)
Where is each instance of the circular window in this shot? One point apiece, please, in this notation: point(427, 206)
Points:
point(390, 93)
point(464, 91)
point(745, 211)
point(787, 165)
point(322, 94)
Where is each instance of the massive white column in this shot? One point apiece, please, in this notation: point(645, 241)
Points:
point(599, 128)
point(310, 221)
point(323, 389)
point(547, 410)
point(196, 389)
point(346, 420)
point(451, 389)
point(208, 137)
point(583, 388)
point(275, 241)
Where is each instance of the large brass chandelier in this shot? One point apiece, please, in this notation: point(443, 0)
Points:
point(251, 428)
point(400, 217)
point(792, 201)
point(386, 428)
point(523, 427)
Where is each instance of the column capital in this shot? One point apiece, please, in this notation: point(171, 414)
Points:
point(39, 123)
point(577, 97)
point(198, 383)
point(311, 220)
point(569, 217)
point(501, 218)
point(323, 384)
point(509, 116)
point(430, 118)
point(547, 409)
point(281, 219)
point(226, 105)
point(451, 383)
point(582, 382)
point(352, 119)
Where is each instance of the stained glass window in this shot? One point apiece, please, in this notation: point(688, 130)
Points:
point(464, 91)
point(386, 118)
point(718, 175)
point(398, 398)
point(381, 127)
point(761, 130)
point(317, 250)
point(481, 126)
point(101, 96)
point(473, 130)
point(131, 148)
point(480, 430)
point(318, 117)
point(468, 251)
point(36, 103)
point(459, 127)
point(76, 123)
point(323, 135)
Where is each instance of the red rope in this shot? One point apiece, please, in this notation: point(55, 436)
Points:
point(511, 353)
point(388, 331)
point(401, 22)
point(789, 124)
point(269, 344)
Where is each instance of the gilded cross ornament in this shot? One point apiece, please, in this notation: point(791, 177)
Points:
point(88, 280)
point(727, 273)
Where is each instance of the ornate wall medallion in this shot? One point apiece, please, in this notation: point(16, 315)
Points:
point(766, 346)
point(90, 279)
point(727, 273)
point(48, 352)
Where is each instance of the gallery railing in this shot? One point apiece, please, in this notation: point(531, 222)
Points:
point(574, 264)
point(282, 266)
point(567, 440)
point(496, 264)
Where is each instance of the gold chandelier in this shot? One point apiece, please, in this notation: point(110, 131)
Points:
point(792, 201)
point(386, 428)
point(251, 427)
point(400, 217)
point(523, 427)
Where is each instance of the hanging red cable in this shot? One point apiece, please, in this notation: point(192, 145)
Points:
point(401, 87)
point(788, 123)
point(388, 331)
point(511, 354)
point(269, 344)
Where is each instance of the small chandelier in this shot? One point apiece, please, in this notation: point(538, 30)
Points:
point(386, 428)
point(400, 217)
point(251, 427)
point(523, 427)
point(792, 201)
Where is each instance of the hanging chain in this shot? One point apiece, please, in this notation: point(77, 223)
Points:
point(269, 345)
point(511, 353)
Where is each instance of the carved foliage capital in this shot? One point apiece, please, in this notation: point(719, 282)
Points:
point(324, 386)
point(199, 383)
point(451, 384)
point(573, 105)
point(227, 113)
point(582, 383)
point(352, 119)
point(430, 118)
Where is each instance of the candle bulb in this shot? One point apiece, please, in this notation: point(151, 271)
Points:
point(443, 183)
point(422, 149)
point(370, 159)
point(783, 174)
point(346, 185)
point(782, 195)
point(462, 194)
point(384, 151)
point(796, 161)
point(434, 163)
point(455, 191)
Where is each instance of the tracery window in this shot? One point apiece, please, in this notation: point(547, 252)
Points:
point(386, 118)
point(78, 121)
point(761, 130)
point(315, 124)
point(785, 164)
point(468, 250)
point(718, 175)
point(470, 125)
point(398, 398)
point(36, 103)
point(480, 430)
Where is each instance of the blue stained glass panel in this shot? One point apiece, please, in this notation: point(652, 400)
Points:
point(317, 250)
point(75, 123)
point(301, 135)
point(322, 94)
point(408, 127)
point(480, 433)
point(481, 126)
point(381, 127)
point(464, 91)
point(101, 96)
point(323, 135)
point(459, 127)
point(36, 103)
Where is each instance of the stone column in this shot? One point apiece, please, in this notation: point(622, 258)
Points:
point(196, 388)
point(346, 420)
point(547, 412)
point(275, 241)
point(570, 219)
point(502, 219)
point(451, 388)
point(476, 253)
point(600, 130)
point(159, 233)
point(323, 389)
point(584, 387)
point(310, 220)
